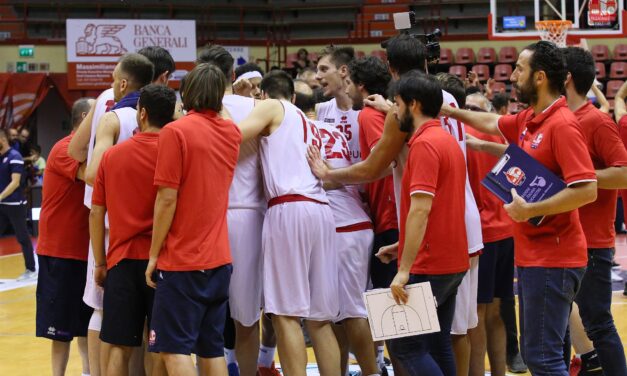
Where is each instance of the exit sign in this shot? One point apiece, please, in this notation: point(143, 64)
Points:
point(21, 67)
point(26, 50)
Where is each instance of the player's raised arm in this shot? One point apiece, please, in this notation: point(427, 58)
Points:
point(373, 167)
point(485, 122)
point(265, 115)
point(80, 142)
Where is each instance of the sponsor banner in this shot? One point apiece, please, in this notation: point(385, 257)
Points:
point(95, 45)
point(602, 12)
point(240, 54)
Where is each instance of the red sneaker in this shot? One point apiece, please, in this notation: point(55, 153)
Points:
point(575, 366)
point(271, 371)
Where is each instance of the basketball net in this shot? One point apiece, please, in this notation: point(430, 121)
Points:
point(554, 31)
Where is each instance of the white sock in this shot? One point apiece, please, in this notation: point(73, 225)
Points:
point(84, 374)
point(230, 356)
point(380, 360)
point(266, 356)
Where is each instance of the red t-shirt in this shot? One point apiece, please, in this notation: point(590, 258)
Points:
point(606, 150)
point(622, 128)
point(197, 157)
point(124, 185)
point(64, 220)
point(495, 223)
point(554, 139)
point(436, 166)
point(380, 193)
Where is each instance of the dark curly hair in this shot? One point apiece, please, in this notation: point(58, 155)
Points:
point(372, 73)
point(547, 57)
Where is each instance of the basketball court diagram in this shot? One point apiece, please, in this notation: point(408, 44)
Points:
point(389, 320)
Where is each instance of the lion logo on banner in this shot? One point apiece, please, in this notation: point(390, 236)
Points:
point(100, 41)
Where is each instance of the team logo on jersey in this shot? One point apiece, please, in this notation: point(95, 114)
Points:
point(536, 141)
point(152, 338)
point(344, 118)
point(52, 331)
point(515, 175)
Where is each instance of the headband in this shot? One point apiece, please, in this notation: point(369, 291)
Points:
point(249, 75)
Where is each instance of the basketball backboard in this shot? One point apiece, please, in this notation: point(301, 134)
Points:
point(515, 19)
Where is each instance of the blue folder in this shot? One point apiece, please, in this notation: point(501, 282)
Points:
point(532, 181)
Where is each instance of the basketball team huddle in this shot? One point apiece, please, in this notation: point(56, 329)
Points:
point(258, 208)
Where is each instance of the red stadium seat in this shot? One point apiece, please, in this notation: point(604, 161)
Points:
point(446, 56)
point(508, 55)
point(486, 55)
point(464, 55)
point(458, 70)
point(620, 52)
point(612, 88)
point(502, 72)
point(618, 70)
point(380, 54)
point(482, 71)
point(600, 52)
point(313, 56)
point(600, 69)
point(499, 87)
point(290, 59)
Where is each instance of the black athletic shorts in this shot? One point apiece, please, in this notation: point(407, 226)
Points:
point(127, 303)
point(61, 312)
point(189, 312)
point(496, 271)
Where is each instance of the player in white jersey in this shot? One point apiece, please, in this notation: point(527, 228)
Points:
point(404, 54)
point(110, 125)
point(353, 244)
point(332, 74)
point(246, 210)
point(300, 265)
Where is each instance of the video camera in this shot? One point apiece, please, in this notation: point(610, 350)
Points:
point(404, 21)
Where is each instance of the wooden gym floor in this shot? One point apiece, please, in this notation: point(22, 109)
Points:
point(21, 353)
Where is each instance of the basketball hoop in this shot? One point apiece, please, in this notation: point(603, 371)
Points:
point(554, 31)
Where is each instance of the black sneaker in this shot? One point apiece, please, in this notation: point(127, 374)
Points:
point(515, 364)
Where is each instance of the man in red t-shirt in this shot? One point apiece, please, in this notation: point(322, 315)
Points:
point(196, 159)
point(370, 76)
point(62, 252)
point(597, 219)
point(127, 302)
point(496, 263)
point(551, 258)
point(432, 244)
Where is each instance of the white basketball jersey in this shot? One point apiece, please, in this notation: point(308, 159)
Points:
point(345, 121)
point(471, 214)
point(346, 204)
point(246, 189)
point(128, 123)
point(104, 103)
point(283, 157)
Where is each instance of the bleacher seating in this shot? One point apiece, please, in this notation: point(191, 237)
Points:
point(486, 55)
point(618, 70)
point(508, 55)
point(600, 71)
point(458, 70)
point(612, 88)
point(620, 52)
point(464, 55)
point(502, 72)
point(482, 71)
point(446, 56)
point(600, 52)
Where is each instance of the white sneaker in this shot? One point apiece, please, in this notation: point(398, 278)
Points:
point(616, 277)
point(28, 274)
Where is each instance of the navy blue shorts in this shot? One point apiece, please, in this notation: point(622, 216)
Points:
point(496, 271)
point(61, 312)
point(189, 312)
point(382, 274)
point(127, 303)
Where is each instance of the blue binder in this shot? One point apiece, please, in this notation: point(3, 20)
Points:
point(532, 181)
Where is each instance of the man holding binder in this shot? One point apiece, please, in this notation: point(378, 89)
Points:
point(551, 258)
point(597, 219)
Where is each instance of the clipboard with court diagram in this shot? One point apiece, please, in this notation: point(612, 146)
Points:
point(389, 320)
